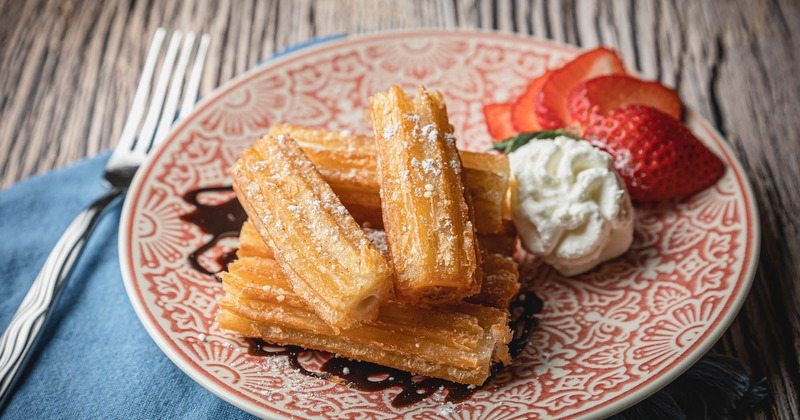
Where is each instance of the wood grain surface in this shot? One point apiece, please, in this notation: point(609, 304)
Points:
point(68, 71)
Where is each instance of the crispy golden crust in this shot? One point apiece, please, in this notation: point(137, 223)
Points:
point(500, 273)
point(486, 177)
point(348, 164)
point(505, 244)
point(425, 214)
point(455, 342)
point(251, 244)
point(327, 258)
point(500, 281)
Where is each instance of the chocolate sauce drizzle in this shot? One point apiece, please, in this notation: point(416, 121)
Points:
point(224, 220)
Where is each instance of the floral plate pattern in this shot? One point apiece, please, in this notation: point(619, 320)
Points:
point(606, 340)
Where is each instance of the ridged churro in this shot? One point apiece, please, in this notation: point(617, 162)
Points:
point(500, 274)
point(486, 177)
point(328, 260)
point(348, 163)
point(456, 342)
point(432, 244)
point(500, 281)
point(251, 244)
point(505, 244)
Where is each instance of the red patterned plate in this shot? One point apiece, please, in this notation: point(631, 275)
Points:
point(606, 339)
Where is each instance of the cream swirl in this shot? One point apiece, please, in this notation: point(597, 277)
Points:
point(570, 207)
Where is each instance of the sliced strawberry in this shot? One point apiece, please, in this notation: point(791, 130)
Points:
point(523, 115)
point(604, 94)
point(498, 119)
point(551, 102)
point(656, 155)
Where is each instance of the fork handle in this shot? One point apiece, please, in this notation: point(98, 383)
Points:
point(25, 326)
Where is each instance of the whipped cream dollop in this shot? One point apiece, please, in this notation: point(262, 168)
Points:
point(570, 207)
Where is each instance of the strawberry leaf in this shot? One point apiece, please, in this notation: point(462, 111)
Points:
point(511, 144)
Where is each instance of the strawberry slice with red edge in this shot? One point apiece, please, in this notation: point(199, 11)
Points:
point(498, 120)
point(658, 157)
point(603, 94)
point(551, 102)
point(523, 114)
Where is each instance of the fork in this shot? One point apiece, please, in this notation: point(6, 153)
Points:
point(131, 151)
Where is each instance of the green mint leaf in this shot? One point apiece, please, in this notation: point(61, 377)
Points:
point(511, 144)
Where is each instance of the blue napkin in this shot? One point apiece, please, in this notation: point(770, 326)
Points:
point(94, 358)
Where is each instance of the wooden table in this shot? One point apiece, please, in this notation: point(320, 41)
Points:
point(68, 71)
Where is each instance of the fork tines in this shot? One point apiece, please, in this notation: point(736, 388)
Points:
point(172, 82)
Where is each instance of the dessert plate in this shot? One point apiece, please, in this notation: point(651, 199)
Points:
point(606, 339)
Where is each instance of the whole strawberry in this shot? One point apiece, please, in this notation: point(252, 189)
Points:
point(656, 155)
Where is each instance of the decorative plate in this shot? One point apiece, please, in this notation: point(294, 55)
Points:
point(606, 339)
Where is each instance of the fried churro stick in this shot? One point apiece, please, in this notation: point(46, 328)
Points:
point(425, 213)
point(486, 178)
point(348, 164)
point(346, 161)
point(500, 273)
point(456, 342)
point(327, 258)
point(500, 281)
point(251, 244)
point(505, 244)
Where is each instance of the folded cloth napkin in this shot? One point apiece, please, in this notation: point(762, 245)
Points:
point(94, 358)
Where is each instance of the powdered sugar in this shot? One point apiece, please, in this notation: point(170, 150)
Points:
point(413, 118)
point(253, 190)
point(378, 238)
point(389, 131)
point(429, 166)
point(430, 132)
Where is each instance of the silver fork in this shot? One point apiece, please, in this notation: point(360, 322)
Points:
point(131, 151)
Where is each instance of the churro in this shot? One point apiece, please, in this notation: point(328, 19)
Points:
point(431, 238)
point(328, 260)
point(500, 274)
point(500, 281)
point(456, 342)
point(348, 163)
